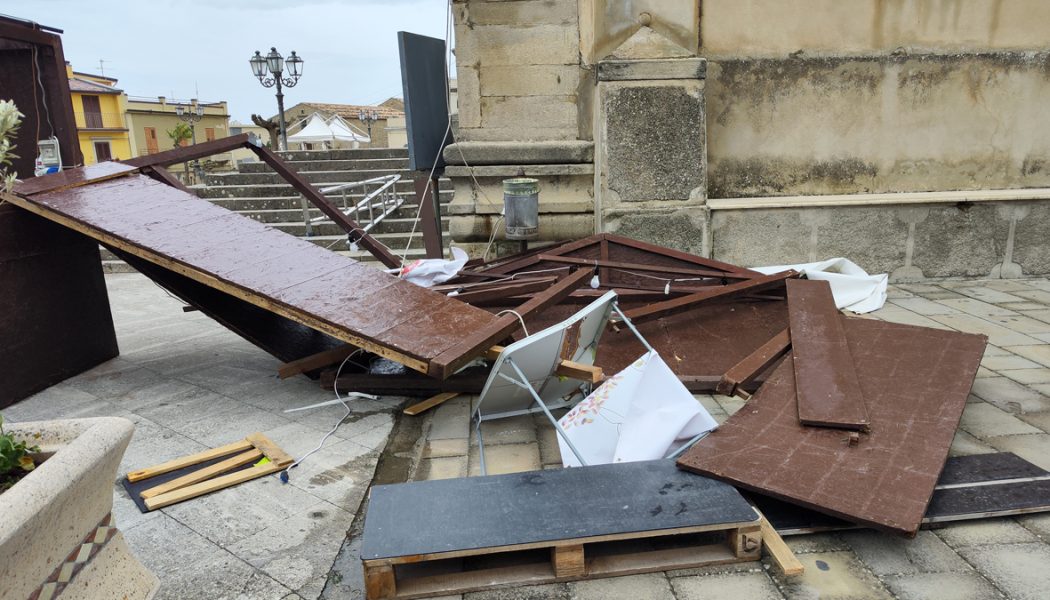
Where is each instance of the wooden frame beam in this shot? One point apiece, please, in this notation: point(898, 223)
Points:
point(677, 305)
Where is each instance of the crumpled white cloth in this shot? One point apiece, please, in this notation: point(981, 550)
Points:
point(428, 272)
point(852, 287)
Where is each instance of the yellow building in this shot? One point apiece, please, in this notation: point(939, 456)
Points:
point(99, 108)
point(150, 119)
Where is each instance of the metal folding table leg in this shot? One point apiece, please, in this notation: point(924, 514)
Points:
point(525, 383)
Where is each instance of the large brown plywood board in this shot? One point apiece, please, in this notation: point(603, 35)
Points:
point(916, 381)
point(265, 267)
point(829, 394)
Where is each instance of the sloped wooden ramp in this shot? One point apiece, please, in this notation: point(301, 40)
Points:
point(183, 237)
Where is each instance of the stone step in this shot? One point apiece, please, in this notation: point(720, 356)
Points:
point(344, 154)
point(327, 228)
point(315, 177)
point(294, 202)
point(268, 190)
point(329, 165)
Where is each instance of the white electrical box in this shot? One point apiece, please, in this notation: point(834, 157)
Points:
point(48, 157)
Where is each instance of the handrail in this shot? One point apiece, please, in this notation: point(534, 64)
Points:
point(385, 193)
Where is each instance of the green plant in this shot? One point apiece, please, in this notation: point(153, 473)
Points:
point(181, 133)
point(10, 119)
point(15, 459)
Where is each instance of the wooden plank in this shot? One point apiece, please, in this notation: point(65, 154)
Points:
point(430, 402)
point(185, 461)
point(826, 384)
point(709, 263)
point(270, 449)
point(506, 290)
point(887, 480)
point(568, 560)
point(301, 185)
point(677, 305)
point(778, 550)
point(612, 264)
point(203, 474)
point(575, 370)
point(379, 583)
point(73, 178)
point(466, 350)
point(315, 361)
point(194, 152)
point(212, 485)
point(756, 363)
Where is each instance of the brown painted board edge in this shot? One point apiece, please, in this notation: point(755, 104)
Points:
point(826, 383)
point(640, 267)
point(754, 364)
point(677, 305)
point(449, 361)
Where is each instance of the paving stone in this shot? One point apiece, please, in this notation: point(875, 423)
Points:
point(817, 542)
point(938, 586)
point(447, 467)
point(997, 334)
point(1010, 395)
point(724, 569)
point(894, 292)
point(1023, 306)
point(1020, 570)
point(983, 373)
point(445, 448)
point(1036, 296)
point(1040, 420)
point(553, 591)
point(1007, 362)
point(216, 429)
point(547, 437)
point(965, 444)
point(752, 585)
point(985, 531)
point(832, 575)
point(941, 295)
point(1039, 524)
point(984, 421)
point(1004, 285)
point(1028, 376)
point(1042, 388)
point(730, 404)
point(886, 554)
point(1035, 448)
point(1042, 315)
point(506, 458)
point(923, 306)
point(180, 409)
point(451, 420)
point(896, 314)
point(339, 473)
point(511, 430)
point(976, 307)
point(649, 585)
point(1039, 353)
point(1021, 324)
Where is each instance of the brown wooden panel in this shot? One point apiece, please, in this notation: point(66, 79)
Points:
point(916, 380)
point(72, 178)
point(199, 240)
point(829, 394)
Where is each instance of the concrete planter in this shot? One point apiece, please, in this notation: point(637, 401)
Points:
point(57, 537)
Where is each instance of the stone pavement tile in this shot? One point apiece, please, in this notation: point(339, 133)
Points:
point(230, 380)
point(965, 444)
point(511, 430)
point(1028, 376)
point(1040, 353)
point(1023, 306)
point(1005, 285)
point(1039, 524)
point(993, 350)
point(983, 373)
point(547, 437)
point(1039, 419)
point(832, 575)
point(552, 591)
point(988, 294)
point(445, 448)
point(984, 531)
point(1007, 362)
point(225, 578)
point(984, 421)
point(1042, 337)
point(896, 292)
point(730, 404)
point(1035, 448)
point(918, 288)
point(709, 403)
point(1021, 324)
point(941, 295)
point(1036, 296)
point(723, 569)
point(923, 306)
point(975, 307)
point(753, 586)
point(887, 554)
point(52, 403)
point(111, 384)
point(217, 428)
point(297, 439)
point(451, 420)
point(125, 513)
point(298, 551)
point(1009, 395)
point(1042, 388)
point(506, 458)
point(649, 585)
point(896, 314)
point(366, 425)
point(1019, 570)
point(941, 586)
point(339, 473)
point(997, 334)
point(817, 542)
point(152, 444)
point(160, 391)
point(1041, 283)
point(179, 409)
point(1042, 315)
point(446, 467)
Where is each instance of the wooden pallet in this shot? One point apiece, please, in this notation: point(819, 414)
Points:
point(431, 538)
point(459, 572)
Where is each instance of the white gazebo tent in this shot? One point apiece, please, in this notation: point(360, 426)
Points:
point(317, 130)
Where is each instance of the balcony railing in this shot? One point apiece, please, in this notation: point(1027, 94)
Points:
point(99, 120)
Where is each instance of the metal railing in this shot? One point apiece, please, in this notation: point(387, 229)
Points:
point(378, 203)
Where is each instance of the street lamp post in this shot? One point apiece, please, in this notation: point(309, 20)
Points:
point(192, 116)
point(368, 117)
point(269, 70)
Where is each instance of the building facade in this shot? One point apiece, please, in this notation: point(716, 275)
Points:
point(99, 108)
point(377, 130)
point(149, 120)
point(909, 136)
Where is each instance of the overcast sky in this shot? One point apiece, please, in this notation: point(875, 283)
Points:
point(200, 48)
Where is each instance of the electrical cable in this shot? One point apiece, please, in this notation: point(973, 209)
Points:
point(516, 314)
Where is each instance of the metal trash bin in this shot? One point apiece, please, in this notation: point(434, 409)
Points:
point(521, 208)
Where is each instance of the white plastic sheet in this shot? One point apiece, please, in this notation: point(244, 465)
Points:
point(428, 272)
point(852, 287)
point(638, 414)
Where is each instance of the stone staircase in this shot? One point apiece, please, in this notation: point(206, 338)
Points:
point(256, 192)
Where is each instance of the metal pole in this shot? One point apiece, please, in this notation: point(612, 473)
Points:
point(280, 113)
point(536, 397)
